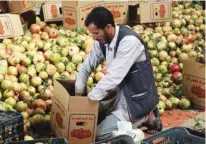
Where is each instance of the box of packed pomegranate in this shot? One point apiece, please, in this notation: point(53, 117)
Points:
point(73, 117)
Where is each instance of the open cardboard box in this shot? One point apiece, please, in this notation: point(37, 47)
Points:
point(73, 117)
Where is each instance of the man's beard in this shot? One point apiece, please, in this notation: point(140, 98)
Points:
point(106, 38)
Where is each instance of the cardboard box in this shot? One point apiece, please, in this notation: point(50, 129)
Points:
point(73, 117)
point(75, 12)
point(119, 10)
point(23, 5)
point(18, 6)
point(135, 2)
point(194, 82)
point(10, 26)
point(52, 11)
point(151, 12)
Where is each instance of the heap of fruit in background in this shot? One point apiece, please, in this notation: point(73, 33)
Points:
point(171, 43)
point(30, 63)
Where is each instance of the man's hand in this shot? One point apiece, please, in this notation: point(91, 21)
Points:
point(78, 94)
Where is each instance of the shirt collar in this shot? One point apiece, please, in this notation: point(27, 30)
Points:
point(114, 40)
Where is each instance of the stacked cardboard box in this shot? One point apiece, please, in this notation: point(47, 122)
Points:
point(16, 15)
point(75, 12)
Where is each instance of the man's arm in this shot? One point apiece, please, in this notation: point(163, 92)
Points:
point(92, 60)
point(130, 48)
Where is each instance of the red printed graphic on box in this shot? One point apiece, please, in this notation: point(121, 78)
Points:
point(69, 17)
point(54, 11)
point(27, 3)
point(23, 4)
point(160, 11)
point(5, 26)
point(195, 86)
point(1, 28)
point(59, 118)
point(81, 127)
point(119, 10)
point(198, 91)
point(81, 133)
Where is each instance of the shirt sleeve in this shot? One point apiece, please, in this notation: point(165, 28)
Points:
point(92, 60)
point(129, 50)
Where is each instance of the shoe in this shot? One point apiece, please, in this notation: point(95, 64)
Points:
point(154, 126)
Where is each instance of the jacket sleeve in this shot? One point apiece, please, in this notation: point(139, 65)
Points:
point(90, 63)
point(129, 50)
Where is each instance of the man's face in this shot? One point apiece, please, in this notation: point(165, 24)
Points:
point(101, 35)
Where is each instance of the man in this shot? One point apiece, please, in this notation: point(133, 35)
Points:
point(127, 92)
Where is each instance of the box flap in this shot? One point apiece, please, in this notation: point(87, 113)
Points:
point(82, 103)
point(187, 70)
point(61, 94)
point(68, 85)
point(10, 26)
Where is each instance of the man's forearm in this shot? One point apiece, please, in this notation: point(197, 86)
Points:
point(86, 68)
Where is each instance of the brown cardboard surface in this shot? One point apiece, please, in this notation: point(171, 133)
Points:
point(135, 2)
point(22, 5)
point(10, 26)
point(194, 82)
point(18, 6)
point(52, 11)
point(84, 104)
point(150, 11)
point(75, 12)
point(155, 11)
point(73, 117)
point(119, 10)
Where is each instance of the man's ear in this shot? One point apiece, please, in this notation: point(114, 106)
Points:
point(108, 28)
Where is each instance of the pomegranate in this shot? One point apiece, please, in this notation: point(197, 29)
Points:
point(22, 69)
point(53, 33)
point(35, 28)
point(177, 76)
point(174, 68)
point(10, 101)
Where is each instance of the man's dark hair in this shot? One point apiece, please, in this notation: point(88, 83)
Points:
point(100, 17)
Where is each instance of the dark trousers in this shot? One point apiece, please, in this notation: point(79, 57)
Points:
point(101, 114)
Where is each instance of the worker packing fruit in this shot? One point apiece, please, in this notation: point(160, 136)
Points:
point(127, 92)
